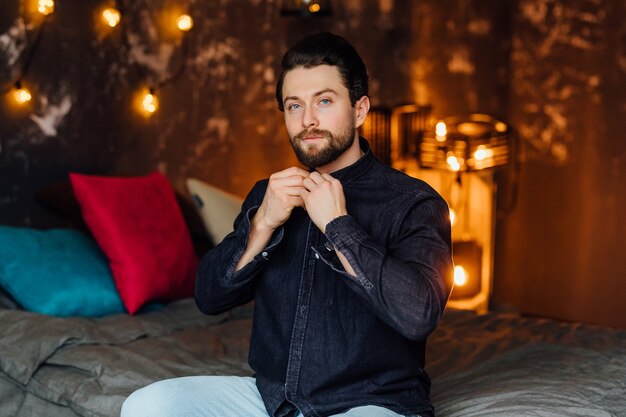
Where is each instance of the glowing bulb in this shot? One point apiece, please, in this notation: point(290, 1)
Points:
point(441, 131)
point(314, 8)
point(453, 163)
point(460, 276)
point(483, 153)
point(452, 217)
point(501, 127)
point(184, 22)
point(45, 7)
point(150, 103)
point(111, 16)
point(21, 95)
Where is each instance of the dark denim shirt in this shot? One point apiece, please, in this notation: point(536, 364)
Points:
point(322, 340)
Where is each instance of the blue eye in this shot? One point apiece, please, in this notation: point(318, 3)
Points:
point(293, 106)
point(325, 101)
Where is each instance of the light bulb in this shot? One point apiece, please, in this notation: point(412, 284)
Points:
point(45, 7)
point(441, 131)
point(314, 8)
point(111, 16)
point(184, 22)
point(460, 276)
point(21, 95)
point(452, 217)
point(453, 163)
point(150, 103)
point(482, 153)
point(501, 127)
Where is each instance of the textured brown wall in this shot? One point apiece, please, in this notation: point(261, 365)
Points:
point(217, 122)
point(560, 252)
point(553, 68)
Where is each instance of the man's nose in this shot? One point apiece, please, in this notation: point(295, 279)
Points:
point(309, 118)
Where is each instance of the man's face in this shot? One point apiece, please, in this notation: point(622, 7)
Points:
point(320, 119)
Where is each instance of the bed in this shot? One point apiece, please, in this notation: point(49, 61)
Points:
point(481, 365)
point(62, 365)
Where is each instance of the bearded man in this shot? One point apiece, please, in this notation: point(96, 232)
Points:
point(348, 263)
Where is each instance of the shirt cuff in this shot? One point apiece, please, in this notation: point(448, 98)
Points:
point(344, 230)
point(243, 233)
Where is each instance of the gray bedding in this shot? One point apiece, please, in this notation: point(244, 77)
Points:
point(489, 365)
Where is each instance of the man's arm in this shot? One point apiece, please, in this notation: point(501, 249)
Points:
point(405, 284)
point(225, 277)
point(281, 197)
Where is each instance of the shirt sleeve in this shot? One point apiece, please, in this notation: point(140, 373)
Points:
point(407, 282)
point(218, 286)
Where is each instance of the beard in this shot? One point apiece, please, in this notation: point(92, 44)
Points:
point(319, 156)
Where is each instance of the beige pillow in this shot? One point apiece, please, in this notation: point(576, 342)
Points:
point(217, 208)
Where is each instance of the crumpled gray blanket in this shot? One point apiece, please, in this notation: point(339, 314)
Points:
point(88, 367)
point(481, 365)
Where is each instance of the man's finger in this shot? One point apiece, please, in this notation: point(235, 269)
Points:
point(316, 177)
point(293, 190)
point(308, 184)
point(329, 177)
point(291, 172)
point(291, 181)
point(296, 201)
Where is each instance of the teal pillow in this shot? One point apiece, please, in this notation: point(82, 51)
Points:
point(59, 272)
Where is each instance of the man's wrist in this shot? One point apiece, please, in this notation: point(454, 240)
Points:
point(259, 226)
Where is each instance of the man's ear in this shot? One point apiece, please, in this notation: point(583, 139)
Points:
point(361, 108)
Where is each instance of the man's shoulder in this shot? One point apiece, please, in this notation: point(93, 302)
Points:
point(257, 191)
point(404, 183)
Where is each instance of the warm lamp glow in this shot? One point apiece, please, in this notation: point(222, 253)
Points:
point(45, 7)
point(452, 217)
point(501, 127)
point(111, 16)
point(453, 163)
point(440, 132)
point(150, 103)
point(460, 276)
point(21, 95)
point(314, 8)
point(483, 153)
point(184, 22)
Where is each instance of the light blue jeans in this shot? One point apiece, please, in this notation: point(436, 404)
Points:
point(213, 396)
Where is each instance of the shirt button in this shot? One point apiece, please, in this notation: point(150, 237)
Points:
point(265, 255)
point(317, 256)
point(328, 246)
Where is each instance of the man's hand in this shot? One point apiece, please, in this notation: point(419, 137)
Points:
point(281, 197)
point(323, 199)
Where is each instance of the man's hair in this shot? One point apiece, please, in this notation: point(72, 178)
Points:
point(325, 48)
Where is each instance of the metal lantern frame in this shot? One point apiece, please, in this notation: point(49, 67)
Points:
point(471, 143)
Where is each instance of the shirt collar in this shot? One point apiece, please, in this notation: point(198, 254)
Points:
point(352, 171)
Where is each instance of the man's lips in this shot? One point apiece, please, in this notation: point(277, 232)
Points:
point(313, 137)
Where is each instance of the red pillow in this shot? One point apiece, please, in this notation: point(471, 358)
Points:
point(140, 228)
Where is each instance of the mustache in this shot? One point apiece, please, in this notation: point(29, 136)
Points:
point(311, 132)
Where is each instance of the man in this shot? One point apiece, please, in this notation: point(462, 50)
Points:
point(348, 263)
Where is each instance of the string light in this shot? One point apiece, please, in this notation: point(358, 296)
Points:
point(45, 7)
point(111, 16)
point(184, 22)
point(150, 102)
point(21, 95)
point(314, 8)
